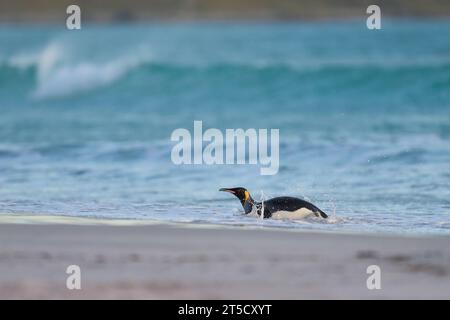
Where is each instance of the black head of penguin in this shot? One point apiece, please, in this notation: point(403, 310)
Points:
point(243, 195)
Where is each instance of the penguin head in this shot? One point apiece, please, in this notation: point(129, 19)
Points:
point(243, 195)
point(240, 193)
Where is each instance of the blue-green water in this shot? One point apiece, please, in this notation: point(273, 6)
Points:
point(364, 118)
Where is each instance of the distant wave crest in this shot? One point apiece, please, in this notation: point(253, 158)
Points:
point(54, 76)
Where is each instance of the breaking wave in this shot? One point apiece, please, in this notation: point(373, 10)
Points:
point(54, 75)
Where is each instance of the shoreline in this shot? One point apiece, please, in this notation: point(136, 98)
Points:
point(161, 261)
point(49, 219)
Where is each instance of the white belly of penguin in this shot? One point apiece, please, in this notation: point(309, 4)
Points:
point(293, 215)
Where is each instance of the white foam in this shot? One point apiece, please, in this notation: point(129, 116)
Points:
point(23, 61)
point(58, 77)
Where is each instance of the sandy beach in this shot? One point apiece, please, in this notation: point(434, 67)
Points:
point(153, 261)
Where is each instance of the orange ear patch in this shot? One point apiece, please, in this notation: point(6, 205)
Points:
point(246, 195)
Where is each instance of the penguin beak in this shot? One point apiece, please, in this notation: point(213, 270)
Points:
point(227, 190)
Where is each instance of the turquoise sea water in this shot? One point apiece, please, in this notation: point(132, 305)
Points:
point(364, 118)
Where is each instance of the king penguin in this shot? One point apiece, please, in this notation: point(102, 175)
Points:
point(280, 207)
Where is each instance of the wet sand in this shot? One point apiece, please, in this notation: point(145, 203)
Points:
point(154, 261)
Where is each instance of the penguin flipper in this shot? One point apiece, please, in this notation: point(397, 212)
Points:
point(321, 214)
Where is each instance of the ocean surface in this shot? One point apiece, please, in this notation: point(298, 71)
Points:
point(364, 117)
